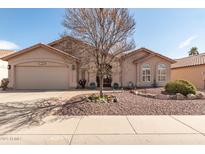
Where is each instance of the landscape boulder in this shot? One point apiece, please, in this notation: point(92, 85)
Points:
point(172, 97)
point(115, 100)
point(200, 95)
point(191, 96)
point(134, 92)
point(162, 96)
point(151, 95)
point(180, 96)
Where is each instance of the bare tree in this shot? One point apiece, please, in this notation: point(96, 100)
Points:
point(108, 31)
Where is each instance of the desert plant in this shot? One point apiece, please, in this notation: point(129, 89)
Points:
point(130, 85)
point(180, 86)
point(92, 85)
point(82, 83)
point(4, 83)
point(105, 98)
point(115, 86)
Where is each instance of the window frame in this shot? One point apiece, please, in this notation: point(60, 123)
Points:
point(161, 75)
point(145, 74)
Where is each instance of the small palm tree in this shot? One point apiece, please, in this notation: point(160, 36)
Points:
point(193, 51)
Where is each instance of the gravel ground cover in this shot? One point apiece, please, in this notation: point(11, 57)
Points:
point(129, 104)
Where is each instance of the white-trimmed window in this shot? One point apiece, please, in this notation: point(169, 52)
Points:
point(162, 72)
point(146, 73)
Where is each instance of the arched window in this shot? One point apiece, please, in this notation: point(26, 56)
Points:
point(162, 75)
point(146, 73)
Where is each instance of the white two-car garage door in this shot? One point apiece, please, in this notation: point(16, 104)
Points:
point(51, 78)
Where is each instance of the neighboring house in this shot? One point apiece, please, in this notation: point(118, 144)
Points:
point(190, 68)
point(62, 63)
point(4, 64)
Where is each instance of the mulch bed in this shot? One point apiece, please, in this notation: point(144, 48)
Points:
point(129, 104)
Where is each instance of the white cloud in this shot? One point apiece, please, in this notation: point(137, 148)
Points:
point(8, 45)
point(187, 41)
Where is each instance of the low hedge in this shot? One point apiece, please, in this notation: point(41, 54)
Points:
point(92, 85)
point(4, 83)
point(180, 86)
point(116, 86)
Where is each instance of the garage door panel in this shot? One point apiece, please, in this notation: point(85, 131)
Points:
point(42, 78)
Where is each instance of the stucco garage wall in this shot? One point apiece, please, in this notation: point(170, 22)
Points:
point(192, 74)
point(41, 57)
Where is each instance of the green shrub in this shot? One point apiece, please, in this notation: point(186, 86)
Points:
point(92, 85)
point(131, 85)
point(180, 86)
point(4, 83)
point(115, 86)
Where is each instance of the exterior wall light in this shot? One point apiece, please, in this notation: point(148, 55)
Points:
point(9, 67)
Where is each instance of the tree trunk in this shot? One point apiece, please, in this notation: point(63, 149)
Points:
point(101, 85)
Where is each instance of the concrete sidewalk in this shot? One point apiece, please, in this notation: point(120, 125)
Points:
point(112, 130)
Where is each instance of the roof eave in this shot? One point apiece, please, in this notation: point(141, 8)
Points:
point(187, 66)
point(6, 58)
point(151, 52)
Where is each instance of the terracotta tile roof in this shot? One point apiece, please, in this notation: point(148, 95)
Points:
point(150, 52)
point(7, 57)
point(189, 61)
point(5, 52)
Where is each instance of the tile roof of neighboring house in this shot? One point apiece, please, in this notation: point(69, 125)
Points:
point(189, 61)
point(5, 52)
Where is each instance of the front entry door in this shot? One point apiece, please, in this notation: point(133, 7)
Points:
point(107, 81)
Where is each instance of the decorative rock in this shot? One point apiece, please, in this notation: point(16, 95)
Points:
point(162, 96)
point(103, 101)
point(115, 100)
point(142, 94)
point(151, 95)
point(191, 96)
point(83, 97)
point(134, 92)
point(172, 97)
point(146, 95)
point(87, 100)
point(180, 96)
point(200, 95)
point(109, 101)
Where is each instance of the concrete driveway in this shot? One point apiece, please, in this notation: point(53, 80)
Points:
point(19, 96)
point(112, 130)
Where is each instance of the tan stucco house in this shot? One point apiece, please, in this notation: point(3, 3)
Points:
point(190, 68)
point(4, 64)
point(62, 63)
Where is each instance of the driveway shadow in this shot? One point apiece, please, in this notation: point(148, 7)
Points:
point(15, 116)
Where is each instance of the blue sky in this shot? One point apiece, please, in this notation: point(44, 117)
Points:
point(171, 32)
